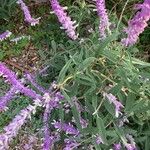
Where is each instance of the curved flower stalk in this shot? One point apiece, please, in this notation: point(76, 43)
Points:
point(7, 97)
point(5, 35)
point(68, 128)
point(48, 140)
point(12, 78)
point(137, 25)
point(65, 20)
point(117, 104)
point(28, 17)
point(51, 101)
point(12, 129)
point(104, 21)
point(33, 82)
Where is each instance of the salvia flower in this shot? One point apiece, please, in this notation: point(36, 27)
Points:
point(68, 128)
point(48, 141)
point(49, 138)
point(28, 17)
point(64, 19)
point(104, 21)
point(137, 25)
point(84, 123)
point(11, 130)
point(53, 99)
point(130, 147)
point(12, 78)
point(117, 146)
point(99, 140)
point(5, 35)
point(117, 104)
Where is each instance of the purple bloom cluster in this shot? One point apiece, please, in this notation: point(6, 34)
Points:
point(132, 145)
point(68, 128)
point(137, 25)
point(104, 21)
point(28, 17)
point(5, 35)
point(49, 100)
point(12, 129)
point(12, 78)
point(53, 99)
point(117, 146)
point(64, 19)
point(117, 104)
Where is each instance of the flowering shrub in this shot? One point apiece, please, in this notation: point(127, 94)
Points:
point(101, 97)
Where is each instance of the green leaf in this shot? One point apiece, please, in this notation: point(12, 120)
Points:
point(147, 143)
point(130, 102)
point(120, 133)
point(53, 45)
point(105, 42)
point(86, 63)
point(101, 129)
point(64, 70)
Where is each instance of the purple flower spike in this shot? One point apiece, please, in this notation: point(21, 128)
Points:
point(12, 78)
point(104, 21)
point(6, 98)
point(48, 141)
point(68, 128)
point(33, 82)
point(117, 146)
point(12, 129)
point(137, 25)
point(28, 17)
point(117, 104)
point(53, 100)
point(5, 35)
point(65, 20)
